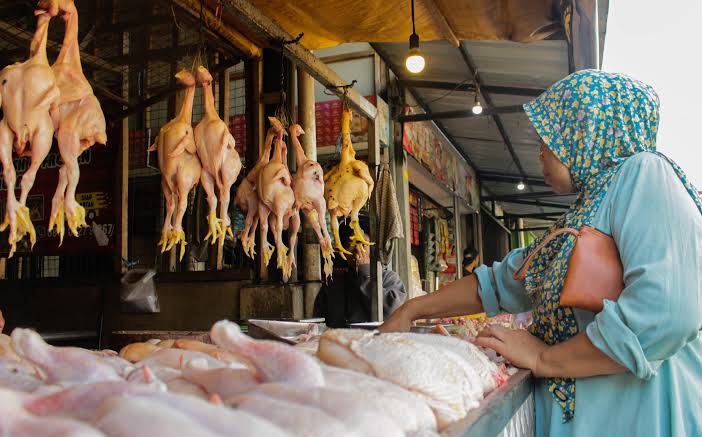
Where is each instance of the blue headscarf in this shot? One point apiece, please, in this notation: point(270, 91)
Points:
point(593, 122)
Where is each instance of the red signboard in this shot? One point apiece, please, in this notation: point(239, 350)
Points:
point(95, 193)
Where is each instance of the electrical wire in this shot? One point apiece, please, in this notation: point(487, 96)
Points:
point(443, 96)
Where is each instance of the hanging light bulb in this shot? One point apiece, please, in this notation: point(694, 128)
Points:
point(414, 62)
point(521, 186)
point(477, 107)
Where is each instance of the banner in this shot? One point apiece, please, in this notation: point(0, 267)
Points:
point(95, 193)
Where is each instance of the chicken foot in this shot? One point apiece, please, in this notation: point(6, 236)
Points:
point(337, 238)
point(214, 228)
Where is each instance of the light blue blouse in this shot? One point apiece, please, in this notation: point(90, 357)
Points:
point(653, 329)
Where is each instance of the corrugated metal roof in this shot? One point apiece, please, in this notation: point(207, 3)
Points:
point(533, 66)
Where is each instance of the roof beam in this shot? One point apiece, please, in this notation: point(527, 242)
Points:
point(540, 215)
point(463, 113)
point(473, 70)
point(538, 203)
point(521, 196)
point(499, 177)
point(253, 18)
point(426, 109)
point(441, 23)
point(470, 88)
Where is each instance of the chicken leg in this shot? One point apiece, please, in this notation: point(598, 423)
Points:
point(247, 197)
point(308, 185)
point(179, 164)
point(220, 160)
point(29, 100)
point(81, 121)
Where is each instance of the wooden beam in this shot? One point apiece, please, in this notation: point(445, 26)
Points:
point(215, 24)
point(443, 27)
point(469, 87)
point(521, 196)
point(344, 57)
point(255, 20)
point(540, 215)
point(464, 113)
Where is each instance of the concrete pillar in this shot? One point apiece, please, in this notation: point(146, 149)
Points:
point(310, 246)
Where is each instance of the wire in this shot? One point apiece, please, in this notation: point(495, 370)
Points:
point(443, 96)
point(413, 30)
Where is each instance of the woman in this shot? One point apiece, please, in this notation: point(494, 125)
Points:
point(635, 368)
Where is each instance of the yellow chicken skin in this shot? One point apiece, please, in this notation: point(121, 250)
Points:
point(348, 187)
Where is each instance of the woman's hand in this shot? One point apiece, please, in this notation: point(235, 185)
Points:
point(518, 347)
point(399, 321)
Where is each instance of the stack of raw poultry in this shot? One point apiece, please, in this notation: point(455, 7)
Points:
point(354, 383)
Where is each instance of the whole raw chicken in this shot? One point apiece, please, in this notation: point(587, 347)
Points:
point(29, 99)
point(220, 161)
point(246, 196)
point(179, 164)
point(81, 121)
point(276, 197)
point(308, 185)
point(348, 188)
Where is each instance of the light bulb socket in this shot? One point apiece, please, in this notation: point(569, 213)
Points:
point(414, 41)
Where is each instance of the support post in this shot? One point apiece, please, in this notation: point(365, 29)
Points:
point(310, 246)
point(458, 236)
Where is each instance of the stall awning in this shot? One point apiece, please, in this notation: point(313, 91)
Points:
point(389, 20)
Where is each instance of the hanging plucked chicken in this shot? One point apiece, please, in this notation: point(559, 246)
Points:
point(308, 185)
point(29, 98)
point(277, 201)
point(220, 161)
point(246, 195)
point(348, 188)
point(179, 164)
point(81, 122)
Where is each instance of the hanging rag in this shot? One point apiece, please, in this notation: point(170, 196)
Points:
point(390, 221)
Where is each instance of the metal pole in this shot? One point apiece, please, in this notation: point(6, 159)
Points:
point(310, 246)
point(457, 234)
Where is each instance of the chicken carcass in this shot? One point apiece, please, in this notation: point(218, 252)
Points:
point(29, 100)
point(446, 382)
point(274, 361)
point(62, 365)
point(276, 198)
point(81, 122)
point(348, 187)
point(179, 164)
point(16, 422)
point(224, 382)
point(220, 161)
point(247, 197)
point(308, 186)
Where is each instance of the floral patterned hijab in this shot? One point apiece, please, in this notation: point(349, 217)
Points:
point(593, 122)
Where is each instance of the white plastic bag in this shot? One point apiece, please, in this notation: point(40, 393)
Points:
point(138, 292)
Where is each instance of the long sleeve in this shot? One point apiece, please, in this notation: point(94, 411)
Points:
point(658, 231)
point(394, 294)
point(498, 291)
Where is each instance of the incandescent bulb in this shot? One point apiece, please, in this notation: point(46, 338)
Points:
point(521, 186)
point(477, 108)
point(415, 61)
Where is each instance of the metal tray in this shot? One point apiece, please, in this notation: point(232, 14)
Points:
point(283, 331)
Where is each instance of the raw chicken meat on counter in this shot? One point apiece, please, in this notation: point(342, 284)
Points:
point(359, 383)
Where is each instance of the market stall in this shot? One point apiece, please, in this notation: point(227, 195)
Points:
point(283, 160)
